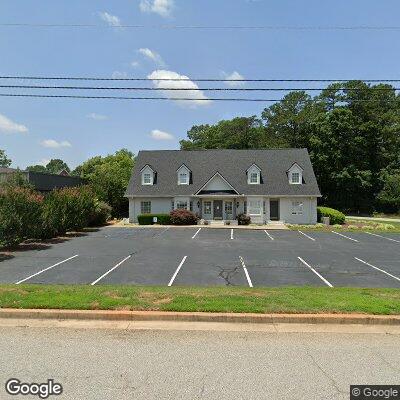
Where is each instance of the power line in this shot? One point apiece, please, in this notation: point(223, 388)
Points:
point(156, 98)
point(71, 78)
point(211, 27)
point(185, 89)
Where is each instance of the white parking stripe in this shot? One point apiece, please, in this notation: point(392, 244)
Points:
point(46, 269)
point(383, 237)
point(309, 237)
point(111, 270)
point(196, 233)
point(268, 235)
point(246, 272)
point(163, 231)
point(337, 233)
point(378, 269)
point(176, 272)
point(315, 272)
point(232, 234)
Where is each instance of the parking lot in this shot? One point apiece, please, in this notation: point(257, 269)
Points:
point(207, 257)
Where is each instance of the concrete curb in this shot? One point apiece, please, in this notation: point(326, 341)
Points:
point(101, 315)
point(244, 227)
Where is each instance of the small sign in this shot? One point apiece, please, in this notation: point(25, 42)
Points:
point(155, 220)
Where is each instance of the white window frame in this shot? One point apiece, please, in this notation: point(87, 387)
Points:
point(147, 176)
point(255, 175)
point(254, 207)
point(182, 205)
point(294, 170)
point(231, 207)
point(186, 180)
point(143, 204)
point(205, 207)
point(297, 181)
point(251, 172)
point(297, 207)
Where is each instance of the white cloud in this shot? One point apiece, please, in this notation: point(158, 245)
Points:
point(111, 20)
point(119, 75)
point(160, 7)
point(152, 55)
point(8, 126)
point(97, 117)
point(185, 82)
point(160, 135)
point(44, 161)
point(235, 76)
point(53, 144)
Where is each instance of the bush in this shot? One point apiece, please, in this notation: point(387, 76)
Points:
point(101, 213)
point(336, 217)
point(20, 213)
point(183, 217)
point(147, 219)
point(243, 219)
point(389, 196)
point(67, 209)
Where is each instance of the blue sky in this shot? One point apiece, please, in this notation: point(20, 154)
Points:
point(35, 130)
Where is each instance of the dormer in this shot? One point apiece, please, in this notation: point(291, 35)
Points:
point(183, 175)
point(295, 174)
point(253, 175)
point(148, 175)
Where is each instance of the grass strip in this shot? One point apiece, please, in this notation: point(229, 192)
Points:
point(212, 299)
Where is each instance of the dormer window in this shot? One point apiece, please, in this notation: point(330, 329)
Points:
point(254, 175)
point(147, 175)
point(295, 174)
point(183, 175)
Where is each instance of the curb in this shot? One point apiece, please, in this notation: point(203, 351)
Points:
point(101, 315)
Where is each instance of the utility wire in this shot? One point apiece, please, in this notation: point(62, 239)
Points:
point(185, 89)
point(66, 78)
point(156, 98)
point(212, 27)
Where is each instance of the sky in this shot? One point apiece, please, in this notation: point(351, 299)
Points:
point(32, 131)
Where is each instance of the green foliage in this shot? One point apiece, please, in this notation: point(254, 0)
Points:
point(147, 219)
point(389, 196)
point(183, 217)
point(54, 166)
point(101, 213)
point(109, 177)
point(336, 217)
point(20, 211)
point(37, 168)
point(243, 219)
point(67, 209)
point(5, 162)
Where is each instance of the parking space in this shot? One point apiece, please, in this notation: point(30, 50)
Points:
point(206, 257)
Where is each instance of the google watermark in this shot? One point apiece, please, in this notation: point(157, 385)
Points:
point(43, 390)
point(375, 392)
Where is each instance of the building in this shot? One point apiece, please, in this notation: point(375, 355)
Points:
point(42, 182)
point(267, 185)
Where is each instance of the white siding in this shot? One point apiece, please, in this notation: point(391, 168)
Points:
point(309, 210)
point(217, 183)
point(158, 206)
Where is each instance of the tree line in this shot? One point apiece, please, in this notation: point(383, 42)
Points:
point(351, 130)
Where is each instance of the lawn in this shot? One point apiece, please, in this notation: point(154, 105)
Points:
point(215, 299)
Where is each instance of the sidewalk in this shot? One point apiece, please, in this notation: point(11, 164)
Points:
point(374, 219)
point(270, 227)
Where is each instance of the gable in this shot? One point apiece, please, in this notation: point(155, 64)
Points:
point(217, 183)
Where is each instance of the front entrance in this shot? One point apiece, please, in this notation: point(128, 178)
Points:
point(274, 210)
point(217, 209)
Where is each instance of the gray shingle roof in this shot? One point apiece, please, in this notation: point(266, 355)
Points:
point(231, 164)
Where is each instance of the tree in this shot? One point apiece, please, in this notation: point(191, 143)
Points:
point(109, 177)
point(238, 133)
point(4, 161)
point(389, 196)
point(37, 168)
point(56, 165)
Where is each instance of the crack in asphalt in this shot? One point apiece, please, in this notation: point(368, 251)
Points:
point(227, 274)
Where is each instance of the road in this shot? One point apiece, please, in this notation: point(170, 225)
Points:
point(151, 364)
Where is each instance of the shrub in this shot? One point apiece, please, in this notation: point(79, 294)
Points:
point(336, 217)
point(20, 212)
point(243, 219)
point(100, 214)
point(147, 219)
point(67, 209)
point(183, 217)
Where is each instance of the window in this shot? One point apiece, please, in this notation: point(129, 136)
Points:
point(172, 205)
point(207, 207)
point(245, 207)
point(147, 179)
point(228, 208)
point(264, 210)
point(191, 206)
point(145, 207)
point(254, 177)
point(181, 205)
point(254, 207)
point(297, 208)
point(295, 177)
point(183, 178)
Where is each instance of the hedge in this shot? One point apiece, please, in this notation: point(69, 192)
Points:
point(183, 217)
point(147, 219)
point(336, 217)
point(243, 219)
